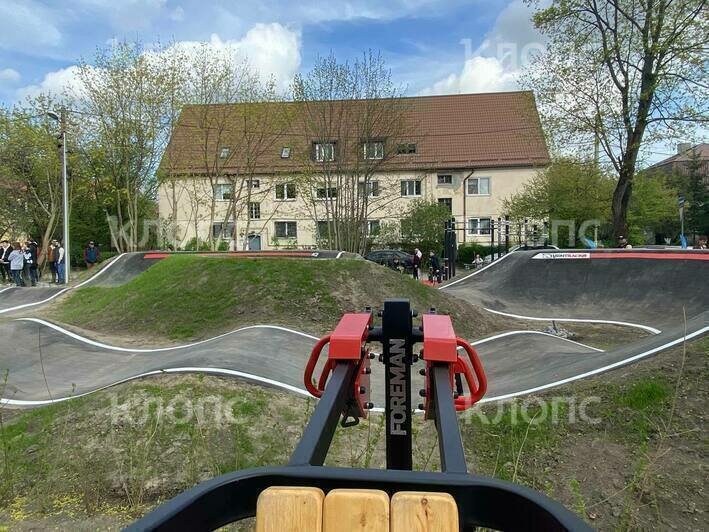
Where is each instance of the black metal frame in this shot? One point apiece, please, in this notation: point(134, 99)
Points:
point(481, 501)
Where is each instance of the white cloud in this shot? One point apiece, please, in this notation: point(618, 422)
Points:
point(496, 64)
point(26, 26)
point(56, 83)
point(272, 49)
point(480, 74)
point(9, 75)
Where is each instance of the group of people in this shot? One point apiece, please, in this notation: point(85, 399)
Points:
point(19, 262)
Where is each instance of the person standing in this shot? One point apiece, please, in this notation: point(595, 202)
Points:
point(17, 264)
point(91, 255)
point(435, 266)
point(34, 267)
point(30, 252)
point(5, 250)
point(6, 261)
point(417, 263)
point(60, 261)
point(50, 260)
point(478, 262)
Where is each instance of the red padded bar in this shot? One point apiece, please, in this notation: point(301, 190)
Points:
point(349, 335)
point(439, 340)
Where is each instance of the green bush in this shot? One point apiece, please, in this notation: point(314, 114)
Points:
point(223, 246)
point(467, 252)
point(195, 244)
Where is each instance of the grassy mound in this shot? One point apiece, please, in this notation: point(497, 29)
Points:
point(190, 297)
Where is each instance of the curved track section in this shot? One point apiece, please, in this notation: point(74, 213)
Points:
point(651, 289)
point(68, 365)
point(52, 364)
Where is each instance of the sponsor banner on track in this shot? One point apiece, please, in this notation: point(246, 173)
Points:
point(562, 255)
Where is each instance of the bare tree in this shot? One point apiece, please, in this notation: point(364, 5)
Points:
point(620, 73)
point(30, 172)
point(128, 99)
point(229, 124)
point(357, 119)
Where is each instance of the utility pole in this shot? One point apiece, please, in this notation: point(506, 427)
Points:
point(65, 192)
point(61, 119)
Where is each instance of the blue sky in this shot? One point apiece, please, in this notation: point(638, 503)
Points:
point(423, 41)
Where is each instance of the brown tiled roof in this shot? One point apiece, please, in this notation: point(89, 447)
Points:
point(701, 151)
point(451, 132)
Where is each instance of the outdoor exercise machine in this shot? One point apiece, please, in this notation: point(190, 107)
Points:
point(293, 497)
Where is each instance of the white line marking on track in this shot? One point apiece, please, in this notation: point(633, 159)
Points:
point(215, 371)
point(475, 272)
point(6, 289)
point(295, 389)
point(578, 320)
point(63, 290)
point(512, 333)
point(596, 371)
point(157, 349)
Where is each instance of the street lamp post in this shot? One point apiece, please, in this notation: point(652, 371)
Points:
point(61, 119)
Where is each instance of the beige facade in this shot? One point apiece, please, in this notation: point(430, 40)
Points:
point(279, 221)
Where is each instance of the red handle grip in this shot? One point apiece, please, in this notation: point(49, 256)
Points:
point(310, 368)
point(477, 389)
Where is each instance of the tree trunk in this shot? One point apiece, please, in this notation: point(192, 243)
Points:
point(621, 199)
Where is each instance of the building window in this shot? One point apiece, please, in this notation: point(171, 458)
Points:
point(285, 191)
point(224, 153)
point(253, 183)
point(223, 230)
point(286, 229)
point(373, 150)
point(411, 187)
point(285, 152)
point(371, 186)
point(323, 228)
point(324, 151)
point(478, 226)
point(479, 186)
point(406, 148)
point(445, 179)
point(254, 210)
point(326, 192)
point(373, 227)
point(223, 191)
point(446, 202)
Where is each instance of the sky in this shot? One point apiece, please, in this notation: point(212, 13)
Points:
point(431, 46)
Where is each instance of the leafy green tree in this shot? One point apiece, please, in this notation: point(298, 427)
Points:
point(423, 226)
point(697, 197)
point(653, 208)
point(568, 189)
point(31, 171)
point(620, 74)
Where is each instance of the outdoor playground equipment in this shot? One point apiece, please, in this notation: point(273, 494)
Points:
point(293, 497)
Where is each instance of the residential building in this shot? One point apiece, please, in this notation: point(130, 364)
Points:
point(467, 151)
point(680, 163)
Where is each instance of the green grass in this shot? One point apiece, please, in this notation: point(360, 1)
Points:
point(189, 297)
point(79, 460)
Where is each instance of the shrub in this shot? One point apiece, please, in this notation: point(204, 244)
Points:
point(195, 244)
point(467, 252)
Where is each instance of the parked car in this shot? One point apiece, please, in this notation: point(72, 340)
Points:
point(386, 257)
